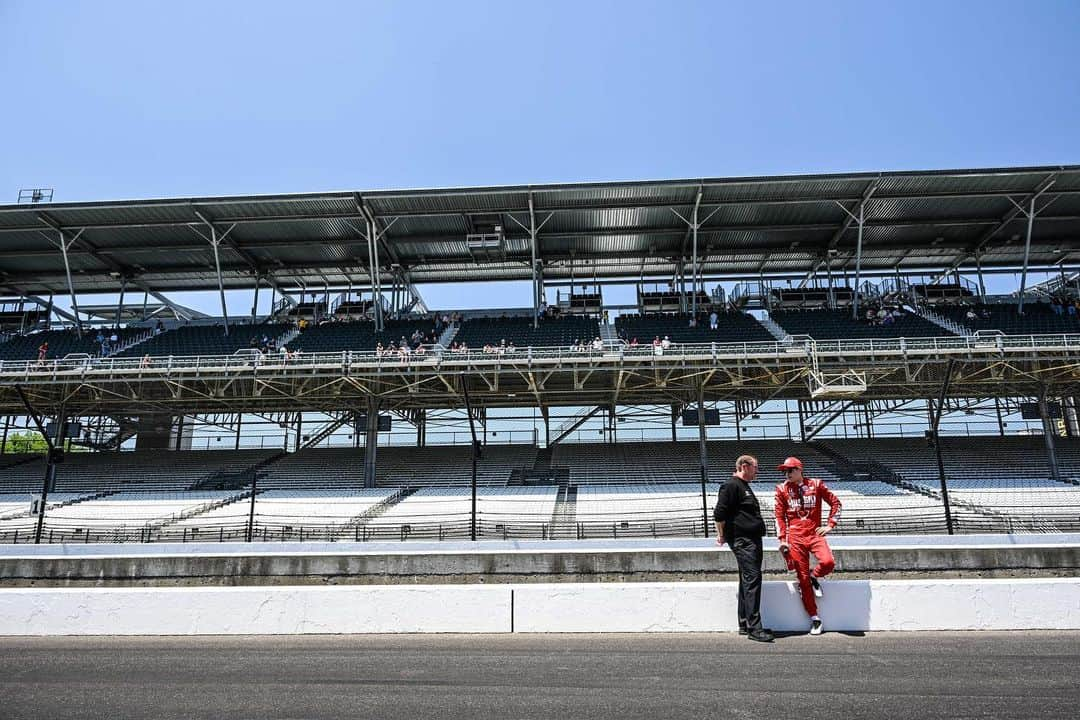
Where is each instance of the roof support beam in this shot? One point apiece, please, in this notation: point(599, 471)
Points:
point(860, 219)
point(64, 245)
point(986, 237)
point(181, 312)
point(215, 243)
point(533, 229)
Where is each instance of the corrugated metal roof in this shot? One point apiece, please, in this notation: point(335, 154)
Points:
point(778, 224)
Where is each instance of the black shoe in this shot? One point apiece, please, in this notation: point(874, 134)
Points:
point(761, 635)
point(743, 629)
point(817, 587)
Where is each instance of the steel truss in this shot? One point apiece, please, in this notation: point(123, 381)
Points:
point(752, 373)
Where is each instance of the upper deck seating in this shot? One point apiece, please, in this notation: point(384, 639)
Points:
point(552, 332)
point(61, 343)
point(205, 340)
point(732, 326)
point(1038, 318)
point(839, 325)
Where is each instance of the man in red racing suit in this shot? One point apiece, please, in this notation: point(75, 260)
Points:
point(798, 525)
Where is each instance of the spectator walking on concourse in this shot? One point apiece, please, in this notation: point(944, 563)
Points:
point(798, 525)
point(740, 525)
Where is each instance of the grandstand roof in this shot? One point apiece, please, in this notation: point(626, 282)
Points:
point(926, 220)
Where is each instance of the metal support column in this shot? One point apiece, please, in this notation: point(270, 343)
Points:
point(215, 242)
point(475, 456)
point(239, 424)
point(704, 457)
point(1049, 432)
point(979, 272)
point(55, 454)
point(694, 290)
point(1027, 254)
point(858, 262)
point(674, 416)
point(371, 444)
point(71, 287)
point(935, 423)
point(255, 301)
point(120, 304)
point(532, 246)
point(299, 429)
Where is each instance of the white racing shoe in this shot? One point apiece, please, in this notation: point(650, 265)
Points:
point(816, 627)
point(817, 587)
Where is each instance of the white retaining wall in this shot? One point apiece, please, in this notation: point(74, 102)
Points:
point(896, 605)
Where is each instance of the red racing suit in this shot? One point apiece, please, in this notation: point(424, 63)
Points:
point(798, 516)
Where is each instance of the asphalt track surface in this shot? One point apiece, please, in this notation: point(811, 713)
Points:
point(881, 675)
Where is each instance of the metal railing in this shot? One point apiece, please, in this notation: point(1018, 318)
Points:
point(438, 356)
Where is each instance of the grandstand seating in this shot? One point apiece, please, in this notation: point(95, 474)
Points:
point(361, 335)
point(731, 327)
point(666, 462)
point(1038, 318)
point(61, 343)
point(839, 325)
point(552, 332)
point(448, 466)
point(639, 510)
point(204, 340)
point(1013, 480)
point(315, 514)
point(640, 489)
point(119, 517)
point(141, 469)
point(438, 513)
point(316, 468)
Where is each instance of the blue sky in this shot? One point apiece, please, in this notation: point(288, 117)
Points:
point(134, 99)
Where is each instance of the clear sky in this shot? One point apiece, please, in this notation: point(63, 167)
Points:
point(143, 99)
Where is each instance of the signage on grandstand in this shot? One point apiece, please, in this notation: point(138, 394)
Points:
point(690, 417)
point(361, 423)
point(1030, 410)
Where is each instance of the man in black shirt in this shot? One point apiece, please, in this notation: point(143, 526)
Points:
point(740, 525)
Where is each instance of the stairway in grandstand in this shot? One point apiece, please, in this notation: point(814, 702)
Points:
point(943, 322)
point(354, 528)
point(209, 506)
point(564, 519)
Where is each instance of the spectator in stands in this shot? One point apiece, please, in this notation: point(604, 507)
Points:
point(666, 343)
point(1073, 307)
point(1057, 305)
point(597, 344)
point(145, 362)
point(633, 342)
point(984, 313)
point(42, 352)
point(970, 314)
point(798, 526)
point(693, 321)
point(739, 524)
point(159, 328)
point(713, 320)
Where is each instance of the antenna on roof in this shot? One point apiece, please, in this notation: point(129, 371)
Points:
point(35, 195)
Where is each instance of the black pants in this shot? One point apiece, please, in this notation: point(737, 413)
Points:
point(748, 554)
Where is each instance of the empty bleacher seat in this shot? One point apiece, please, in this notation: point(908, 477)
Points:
point(205, 340)
point(1038, 318)
point(839, 325)
point(732, 326)
point(61, 343)
point(552, 332)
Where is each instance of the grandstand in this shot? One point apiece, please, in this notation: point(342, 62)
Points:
point(333, 441)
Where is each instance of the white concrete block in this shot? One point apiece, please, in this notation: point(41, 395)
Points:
point(625, 607)
point(1028, 604)
point(256, 610)
point(893, 605)
point(853, 605)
